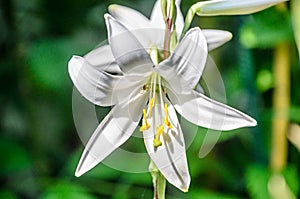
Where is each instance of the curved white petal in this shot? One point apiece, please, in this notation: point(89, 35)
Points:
point(94, 84)
point(233, 7)
point(205, 112)
point(187, 62)
point(131, 18)
point(147, 33)
point(113, 131)
point(170, 157)
point(103, 58)
point(128, 84)
point(127, 50)
point(216, 38)
point(157, 17)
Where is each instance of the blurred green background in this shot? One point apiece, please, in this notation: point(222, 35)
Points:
point(39, 146)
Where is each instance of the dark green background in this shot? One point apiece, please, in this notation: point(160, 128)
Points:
point(39, 146)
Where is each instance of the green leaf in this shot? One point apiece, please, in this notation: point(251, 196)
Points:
point(296, 21)
point(48, 60)
point(294, 113)
point(257, 178)
point(14, 158)
point(67, 190)
point(266, 29)
point(264, 80)
point(5, 194)
point(292, 179)
point(203, 194)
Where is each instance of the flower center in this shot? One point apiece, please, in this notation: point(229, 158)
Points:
point(156, 115)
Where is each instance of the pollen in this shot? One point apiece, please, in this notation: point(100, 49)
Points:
point(146, 125)
point(166, 120)
point(159, 131)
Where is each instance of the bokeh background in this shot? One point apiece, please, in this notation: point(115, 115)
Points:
point(39, 146)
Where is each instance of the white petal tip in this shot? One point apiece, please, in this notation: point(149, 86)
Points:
point(229, 35)
point(86, 163)
point(77, 174)
point(107, 16)
point(74, 66)
point(254, 122)
point(185, 190)
point(113, 8)
point(76, 60)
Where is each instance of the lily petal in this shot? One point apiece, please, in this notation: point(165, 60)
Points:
point(103, 59)
point(93, 83)
point(131, 18)
point(216, 38)
point(127, 50)
point(112, 132)
point(188, 60)
point(170, 157)
point(157, 17)
point(205, 112)
point(233, 7)
point(147, 33)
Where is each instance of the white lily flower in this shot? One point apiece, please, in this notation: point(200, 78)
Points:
point(141, 88)
point(232, 7)
point(134, 20)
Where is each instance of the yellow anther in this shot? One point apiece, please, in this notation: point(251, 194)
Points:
point(146, 125)
point(145, 87)
point(159, 131)
point(151, 104)
point(166, 120)
point(156, 142)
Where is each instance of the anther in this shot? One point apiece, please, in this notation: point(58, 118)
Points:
point(151, 104)
point(145, 87)
point(159, 131)
point(146, 125)
point(166, 120)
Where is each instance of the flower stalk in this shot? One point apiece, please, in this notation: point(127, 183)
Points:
point(170, 21)
point(281, 101)
point(188, 20)
point(159, 182)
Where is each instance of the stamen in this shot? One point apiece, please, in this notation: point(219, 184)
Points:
point(151, 104)
point(159, 131)
point(166, 120)
point(145, 87)
point(146, 125)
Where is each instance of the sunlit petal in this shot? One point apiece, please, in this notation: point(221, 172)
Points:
point(216, 38)
point(170, 157)
point(102, 58)
point(127, 50)
point(131, 18)
point(113, 131)
point(233, 7)
point(93, 83)
point(188, 60)
point(208, 113)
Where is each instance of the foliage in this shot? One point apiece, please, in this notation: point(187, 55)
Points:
point(39, 146)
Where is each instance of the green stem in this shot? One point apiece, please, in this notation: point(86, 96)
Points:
point(167, 38)
point(170, 21)
point(159, 182)
point(188, 20)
